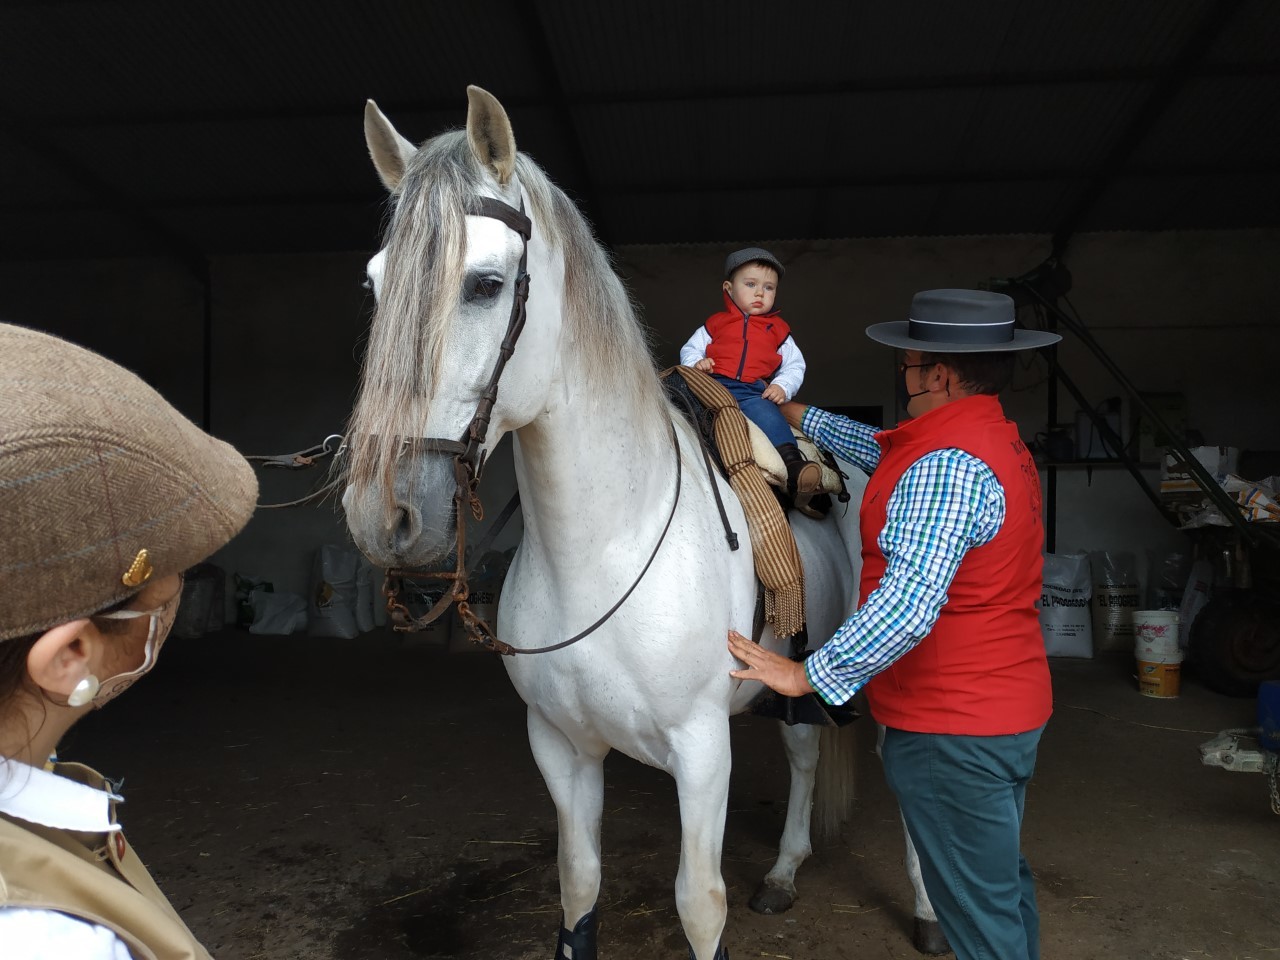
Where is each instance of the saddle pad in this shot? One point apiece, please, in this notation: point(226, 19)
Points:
point(775, 471)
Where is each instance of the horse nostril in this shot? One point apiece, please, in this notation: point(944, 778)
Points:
point(406, 524)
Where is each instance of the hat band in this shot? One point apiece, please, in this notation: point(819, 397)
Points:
point(934, 331)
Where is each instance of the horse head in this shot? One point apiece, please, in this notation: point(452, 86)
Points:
point(441, 380)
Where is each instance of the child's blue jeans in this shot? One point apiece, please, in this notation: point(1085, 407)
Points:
point(763, 413)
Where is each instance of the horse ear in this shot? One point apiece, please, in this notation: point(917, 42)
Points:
point(489, 133)
point(390, 151)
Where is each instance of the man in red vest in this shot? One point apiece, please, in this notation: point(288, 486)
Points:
point(946, 639)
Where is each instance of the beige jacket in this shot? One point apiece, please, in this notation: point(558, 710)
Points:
point(95, 876)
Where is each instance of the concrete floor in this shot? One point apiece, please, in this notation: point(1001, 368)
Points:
point(376, 798)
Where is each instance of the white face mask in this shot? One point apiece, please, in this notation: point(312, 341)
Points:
point(161, 623)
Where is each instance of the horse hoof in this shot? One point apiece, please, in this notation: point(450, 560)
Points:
point(769, 899)
point(928, 938)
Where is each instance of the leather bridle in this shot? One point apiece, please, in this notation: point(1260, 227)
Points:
point(467, 450)
point(468, 464)
point(468, 459)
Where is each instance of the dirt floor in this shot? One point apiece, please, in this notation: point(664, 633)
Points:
point(376, 798)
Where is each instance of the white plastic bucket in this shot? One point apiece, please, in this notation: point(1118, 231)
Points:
point(1155, 636)
point(1155, 647)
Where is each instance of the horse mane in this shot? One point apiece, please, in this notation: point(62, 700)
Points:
point(425, 265)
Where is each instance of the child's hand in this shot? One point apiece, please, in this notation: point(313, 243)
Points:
point(706, 365)
point(774, 392)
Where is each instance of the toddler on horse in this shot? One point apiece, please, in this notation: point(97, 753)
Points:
point(749, 350)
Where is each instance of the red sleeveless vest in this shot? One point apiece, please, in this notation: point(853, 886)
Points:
point(745, 347)
point(982, 670)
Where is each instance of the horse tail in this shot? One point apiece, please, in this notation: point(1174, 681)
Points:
point(833, 789)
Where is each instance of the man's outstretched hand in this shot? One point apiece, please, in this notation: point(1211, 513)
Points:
point(777, 673)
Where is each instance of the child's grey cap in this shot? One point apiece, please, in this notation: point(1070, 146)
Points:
point(751, 255)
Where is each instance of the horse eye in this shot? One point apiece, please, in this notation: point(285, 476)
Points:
point(484, 288)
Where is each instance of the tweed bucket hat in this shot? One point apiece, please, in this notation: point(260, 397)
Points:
point(751, 255)
point(960, 321)
point(103, 484)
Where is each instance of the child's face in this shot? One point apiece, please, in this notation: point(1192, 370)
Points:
point(753, 287)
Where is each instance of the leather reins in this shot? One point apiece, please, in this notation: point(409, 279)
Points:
point(300, 461)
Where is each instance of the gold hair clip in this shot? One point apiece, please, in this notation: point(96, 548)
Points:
point(139, 571)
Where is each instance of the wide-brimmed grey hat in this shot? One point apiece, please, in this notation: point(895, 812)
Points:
point(960, 321)
point(751, 255)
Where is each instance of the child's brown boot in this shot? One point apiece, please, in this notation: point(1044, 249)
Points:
point(803, 477)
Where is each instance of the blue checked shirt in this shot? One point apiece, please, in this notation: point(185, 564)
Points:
point(946, 503)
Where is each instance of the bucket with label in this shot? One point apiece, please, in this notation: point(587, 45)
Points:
point(1155, 647)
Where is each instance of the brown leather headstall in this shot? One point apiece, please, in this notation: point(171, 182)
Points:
point(468, 460)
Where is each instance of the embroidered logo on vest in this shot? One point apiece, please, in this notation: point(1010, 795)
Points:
point(1030, 475)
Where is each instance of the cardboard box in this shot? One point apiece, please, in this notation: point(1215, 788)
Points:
point(1175, 477)
point(1172, 409)
point(1090, 442)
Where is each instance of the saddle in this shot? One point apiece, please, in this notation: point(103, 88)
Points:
point(691, 401)
point(775, 472)
point(758, 476)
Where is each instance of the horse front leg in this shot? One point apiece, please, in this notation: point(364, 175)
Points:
point(927, 935)
point(575, 779)
point(701, 771)
point(777, 892)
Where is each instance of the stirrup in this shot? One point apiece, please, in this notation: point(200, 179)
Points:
point(580, 944)
point(811, 505)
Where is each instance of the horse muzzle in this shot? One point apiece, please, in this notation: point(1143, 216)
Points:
point(413, 524)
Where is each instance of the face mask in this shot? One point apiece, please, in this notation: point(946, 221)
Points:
point(904, 395)
point(161, 623)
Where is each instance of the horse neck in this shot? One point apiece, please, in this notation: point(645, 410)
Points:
point(593, 465)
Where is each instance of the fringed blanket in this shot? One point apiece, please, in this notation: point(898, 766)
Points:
point(777, 560)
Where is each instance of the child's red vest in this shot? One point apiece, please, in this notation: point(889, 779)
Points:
point(982, 670)
point(745, 347)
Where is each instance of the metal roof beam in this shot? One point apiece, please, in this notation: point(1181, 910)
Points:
point(536, 34)
point(681, 186)
point(564, 102)
point(175, 246)
point(1203, 35)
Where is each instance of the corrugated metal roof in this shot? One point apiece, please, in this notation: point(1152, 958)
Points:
point(235, 126)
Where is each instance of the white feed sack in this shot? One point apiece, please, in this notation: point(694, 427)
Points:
point(1116, 595)
point(331, 611)
point(1065, 615)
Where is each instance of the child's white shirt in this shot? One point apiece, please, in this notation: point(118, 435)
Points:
point(789, 376)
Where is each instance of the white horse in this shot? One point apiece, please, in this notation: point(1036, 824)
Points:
point(615, 496)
